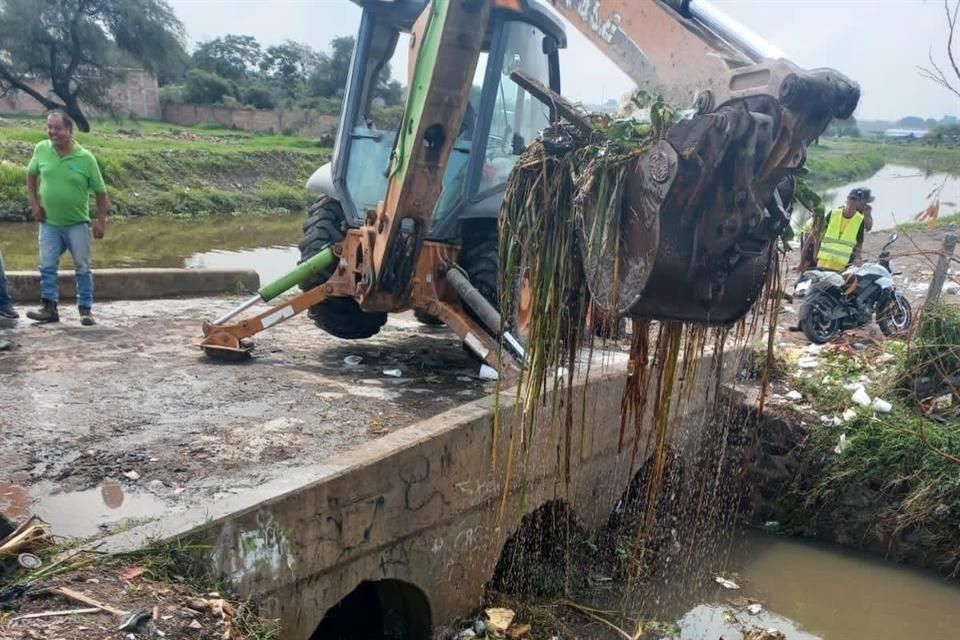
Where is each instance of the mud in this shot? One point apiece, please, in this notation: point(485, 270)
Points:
point(132, 403)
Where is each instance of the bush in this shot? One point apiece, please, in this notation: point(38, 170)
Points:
point(13, 191)
point(259, 97)
point(173, 93)
point(274, 195)
point(207, 88)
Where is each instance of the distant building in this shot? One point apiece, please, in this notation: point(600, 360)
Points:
point(137, 95)
point(905, 134)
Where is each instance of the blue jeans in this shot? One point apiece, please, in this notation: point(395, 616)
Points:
point(5, 300)
point(53, 242)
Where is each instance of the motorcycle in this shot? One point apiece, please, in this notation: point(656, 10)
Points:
point(835, 302)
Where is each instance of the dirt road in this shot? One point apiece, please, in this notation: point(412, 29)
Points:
point(129, 420)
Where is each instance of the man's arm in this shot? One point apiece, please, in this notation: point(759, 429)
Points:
point(103, 201)
point(868, 217)
point(858, 250)
point(33, 194)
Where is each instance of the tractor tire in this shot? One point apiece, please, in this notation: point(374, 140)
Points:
point(340, 317)
point(480, 260)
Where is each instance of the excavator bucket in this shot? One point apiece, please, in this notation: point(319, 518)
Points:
point(705, 206)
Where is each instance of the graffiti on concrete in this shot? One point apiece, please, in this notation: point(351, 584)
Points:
point(264, 551)
point(419, 491)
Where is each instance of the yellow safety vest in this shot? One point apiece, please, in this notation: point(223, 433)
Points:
point(837, 248)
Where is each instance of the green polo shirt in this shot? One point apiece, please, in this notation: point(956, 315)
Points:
point(66, 183)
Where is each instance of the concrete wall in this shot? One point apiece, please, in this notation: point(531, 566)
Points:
point(139, 95)
point(302, 121)
point(421, 505)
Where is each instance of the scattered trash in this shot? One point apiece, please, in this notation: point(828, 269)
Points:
point(771, 525)
point(726, 584)
point(33, 530)
point(841, 445)
point(433, 378)
point(859, 346)
point(352, 361)
point(29, 561)
point(755, 608)
point(601, 579)
point(943, 402)
point(499, 620)
point(796, 396)
point(135, 620)
point(393, 373)
point(789, 309)
point(861, 397)
point(464, 379)
point(466, 634)
point(849, 415)
point(808, 362)
point(195, 625)
point(881, 406)
point(131, 573)
point(488, 373)
point(6, 345)
point(479, 626)
point(131, 475)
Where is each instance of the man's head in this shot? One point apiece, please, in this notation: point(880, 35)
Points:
point(60, 128)
point(857, 199)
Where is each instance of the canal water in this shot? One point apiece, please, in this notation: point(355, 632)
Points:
point(901, 193)
point(809, 590)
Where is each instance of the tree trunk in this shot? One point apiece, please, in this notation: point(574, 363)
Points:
point(72, 107)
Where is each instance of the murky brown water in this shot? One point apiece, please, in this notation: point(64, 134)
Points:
point(812, 591)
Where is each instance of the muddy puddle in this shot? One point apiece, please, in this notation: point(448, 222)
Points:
point(78, 514)
point(812, 591)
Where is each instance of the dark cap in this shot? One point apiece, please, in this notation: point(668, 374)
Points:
point(861, 193)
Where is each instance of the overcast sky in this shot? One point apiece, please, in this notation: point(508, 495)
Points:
point(879, 43)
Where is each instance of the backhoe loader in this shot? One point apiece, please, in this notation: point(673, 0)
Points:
point(406, 217)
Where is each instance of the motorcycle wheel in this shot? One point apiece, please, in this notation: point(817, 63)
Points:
point(815, 320)
point(896, 317)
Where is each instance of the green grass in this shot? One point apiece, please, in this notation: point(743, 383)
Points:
point(909, 460)
point(836, 162)
point(942, 221)
point(154, 168)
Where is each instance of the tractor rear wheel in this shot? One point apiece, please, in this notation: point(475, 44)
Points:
point(340, 317)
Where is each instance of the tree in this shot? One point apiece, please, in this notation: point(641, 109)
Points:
point(949, 79)
point(330, 77)
point(76, 44)
point(231, 57)
point(289, 65)
point(207, 88)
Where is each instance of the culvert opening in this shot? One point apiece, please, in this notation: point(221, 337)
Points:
point(378, 610)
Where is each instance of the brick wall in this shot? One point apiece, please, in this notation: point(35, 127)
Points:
point(302, 121)
point(138, 95)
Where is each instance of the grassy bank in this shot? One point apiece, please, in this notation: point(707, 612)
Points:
point(156, 168)
point(837, 162)
point(889, 482)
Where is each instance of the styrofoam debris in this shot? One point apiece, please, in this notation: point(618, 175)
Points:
point(796, 396)
point(814, 349)
point(881, 406)
point(861, 397)
point(726, 584)
point(352, 361)
point(393, 373)
point(849, 415)
point(841, 445)
point(488, 373)
point(755, 608)
point(808, 362)
point(943, 402)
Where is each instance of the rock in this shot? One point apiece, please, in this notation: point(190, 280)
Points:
point(499, 620)
point(518, 631)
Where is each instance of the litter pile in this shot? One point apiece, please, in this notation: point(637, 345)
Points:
point(48, 591)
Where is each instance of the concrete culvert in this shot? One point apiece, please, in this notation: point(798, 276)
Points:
point(381, 610)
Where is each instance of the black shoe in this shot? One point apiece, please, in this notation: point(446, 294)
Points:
point(9, 312)
point(46, 313)
point(795, 328)
point(86, 318)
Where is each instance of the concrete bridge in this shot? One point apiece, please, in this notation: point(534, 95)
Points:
point(405, 532)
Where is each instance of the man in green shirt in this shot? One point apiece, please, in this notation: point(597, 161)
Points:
point(60, 177)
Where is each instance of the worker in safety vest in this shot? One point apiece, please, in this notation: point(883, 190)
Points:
point(841, 239)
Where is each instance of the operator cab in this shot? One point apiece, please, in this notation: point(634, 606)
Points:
point(500, 121)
